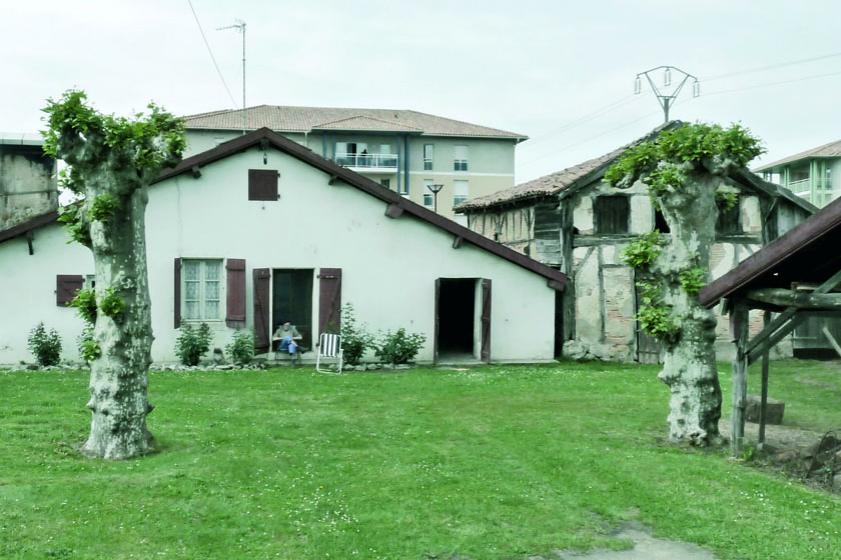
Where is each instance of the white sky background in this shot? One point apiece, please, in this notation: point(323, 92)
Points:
point(530, 66)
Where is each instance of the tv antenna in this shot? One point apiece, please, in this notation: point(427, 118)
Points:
point(667, 96)
point(239, 25)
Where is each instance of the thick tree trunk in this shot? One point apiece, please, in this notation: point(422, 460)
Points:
point(689, 367)
point(118, 384)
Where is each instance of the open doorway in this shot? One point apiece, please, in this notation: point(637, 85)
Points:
point(292, 300)
point(462, 319)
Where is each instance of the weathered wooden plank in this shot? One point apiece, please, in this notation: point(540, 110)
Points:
point(739, 332)
point(799, 299)
point(832, 340)
point(763, 403)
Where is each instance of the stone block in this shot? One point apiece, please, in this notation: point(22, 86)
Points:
point(773, 411)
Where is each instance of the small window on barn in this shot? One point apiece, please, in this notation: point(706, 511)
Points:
point(612, 214)
point(262, 184)
point(660, 223)
point(728, 220)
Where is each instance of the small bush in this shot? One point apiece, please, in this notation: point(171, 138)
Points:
point(45, 346)
point(192, 344)
point(241, 348)
point(355, 339)
point(399, 347)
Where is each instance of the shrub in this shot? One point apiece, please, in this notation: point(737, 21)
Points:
point(241, 348)
point(192, 344)
point(45, 346)
point(355, 339)
point(399, 347)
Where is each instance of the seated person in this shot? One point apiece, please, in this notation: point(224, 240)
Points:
point(287, 335)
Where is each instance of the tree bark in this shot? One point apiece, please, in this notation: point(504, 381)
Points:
point(118, 386)
point(689, 367)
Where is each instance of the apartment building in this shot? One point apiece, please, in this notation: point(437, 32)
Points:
point(814, 174)
point(408, 152)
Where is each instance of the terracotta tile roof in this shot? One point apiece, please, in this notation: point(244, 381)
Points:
point(832, 149)
point(305, 119)
point(554, 183)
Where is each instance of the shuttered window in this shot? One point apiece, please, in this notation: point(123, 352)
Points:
point(235, 308)
point(66, 286)
point(330, 300)
point(262, 184)
point(201, 289)
point(612, 214)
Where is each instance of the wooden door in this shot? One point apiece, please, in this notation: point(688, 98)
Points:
point(292, 301)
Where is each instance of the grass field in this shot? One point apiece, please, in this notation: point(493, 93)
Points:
point(494, 462)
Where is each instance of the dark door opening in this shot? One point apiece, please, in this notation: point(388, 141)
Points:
point(292, 300)
point(456, 316)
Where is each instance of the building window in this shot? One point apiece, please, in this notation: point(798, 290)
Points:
point(729, 222)
point(428, 200)
point(612, 214)
point(460, 158)
point(428, 155)
point(386, 183)
point(202, 289)
point(461, 192)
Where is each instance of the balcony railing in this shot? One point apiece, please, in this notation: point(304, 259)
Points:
point(382, 162)
point(822, 194)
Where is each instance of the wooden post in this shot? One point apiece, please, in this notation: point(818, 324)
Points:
point(739, 332)
point(766, 319)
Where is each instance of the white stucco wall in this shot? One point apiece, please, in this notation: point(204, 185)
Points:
point(389, 265)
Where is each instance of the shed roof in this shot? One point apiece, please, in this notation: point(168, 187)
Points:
point(396, 204)
point(808, 253)
point(306, 119)
point(829, 150)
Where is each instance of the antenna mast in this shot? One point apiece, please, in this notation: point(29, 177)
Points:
point(239, 25)
point(665, 98)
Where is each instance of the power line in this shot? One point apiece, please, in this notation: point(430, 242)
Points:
point(772, 66)
point(585, 140)
point(585, 118)
point(210, 52)
point(769, 84)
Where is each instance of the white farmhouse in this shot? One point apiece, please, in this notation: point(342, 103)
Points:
point(261, 230)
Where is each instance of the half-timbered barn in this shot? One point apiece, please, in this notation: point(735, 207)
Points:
point(575, 222)
point(261, 230)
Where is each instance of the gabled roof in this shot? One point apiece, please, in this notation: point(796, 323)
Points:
point(305, 119)
point(807, 253)
point(395, 205)
point(583, 174)
point(829, 150)
point(555, 183)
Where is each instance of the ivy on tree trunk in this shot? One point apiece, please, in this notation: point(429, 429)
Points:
point(686, 172)
point(111, 162)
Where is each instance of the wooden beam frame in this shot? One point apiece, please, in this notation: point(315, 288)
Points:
point(739, 332)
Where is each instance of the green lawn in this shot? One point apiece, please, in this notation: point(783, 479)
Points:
point(496, 462)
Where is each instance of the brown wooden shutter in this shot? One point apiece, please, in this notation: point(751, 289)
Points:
point(486, 320)
point(262, 184)
point(66, 286)
point(235, 308)
point(176, 298)
point(262, 305)
point(330, 300)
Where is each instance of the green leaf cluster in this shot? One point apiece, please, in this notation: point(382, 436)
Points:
point(726, 200)
point(85, 304)
point(71, 217)
point(690, 146)
point(111, 304)
point(355, 337)
point(654, 315)
point(692, 280)
point(241, 348)
point(399, 347)
point(104, 207)
point(45, 345)
point(88, 347)
point(643, 251)
point(192, 343)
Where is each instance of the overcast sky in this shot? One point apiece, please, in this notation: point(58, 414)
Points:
point(534, 67)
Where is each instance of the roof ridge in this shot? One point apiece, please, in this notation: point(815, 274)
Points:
point(320, 125)
point(798, 155)
point(466, 122)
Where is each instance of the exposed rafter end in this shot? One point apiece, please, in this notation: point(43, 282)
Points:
point(555, 285)
point(334, 179)
point(29, 237)
point(196, 171)
point(394, 210)
point(458, 241)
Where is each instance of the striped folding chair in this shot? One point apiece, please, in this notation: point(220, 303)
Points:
point(329, 346)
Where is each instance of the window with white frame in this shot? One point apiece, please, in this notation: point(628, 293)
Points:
point(428, 200)
point(461, 192)
point(428, 156)
point(460, 154)
point(202, 289)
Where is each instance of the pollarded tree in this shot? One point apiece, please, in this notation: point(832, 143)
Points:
point(686, 171)
point(111, 161)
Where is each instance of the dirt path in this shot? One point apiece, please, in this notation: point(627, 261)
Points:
point(645, 547)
